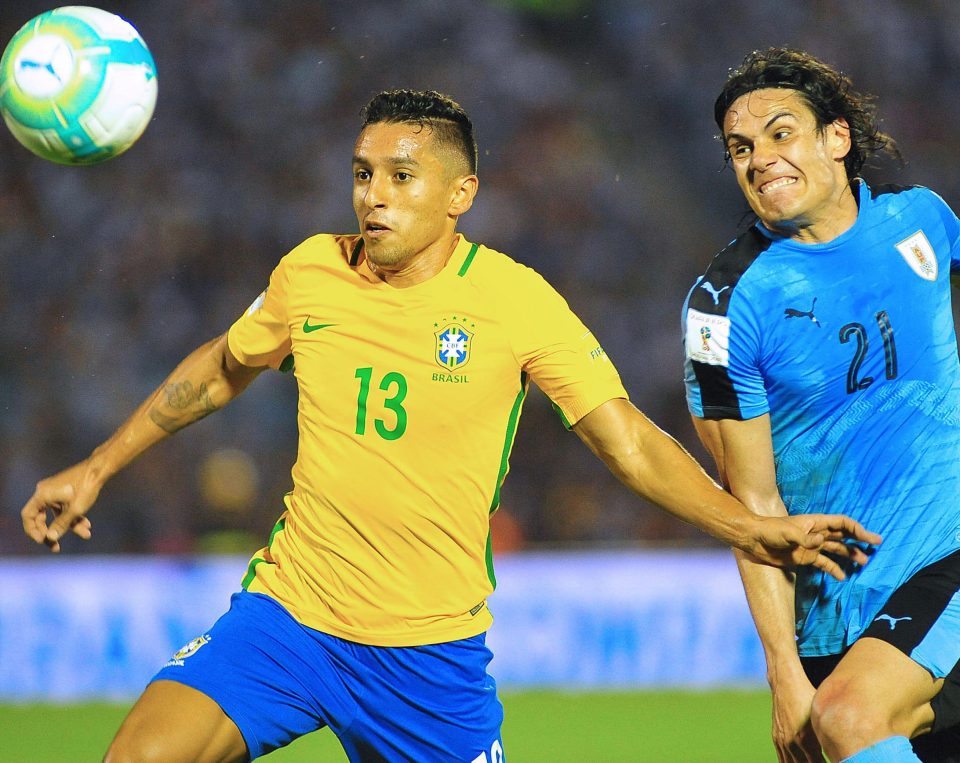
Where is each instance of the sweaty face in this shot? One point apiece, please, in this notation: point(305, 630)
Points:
point(402, 192)
point(791, 173)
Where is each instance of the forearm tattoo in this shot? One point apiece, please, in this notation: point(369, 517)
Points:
point(181, 404)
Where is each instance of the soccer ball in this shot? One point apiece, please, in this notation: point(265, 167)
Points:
point(77, 85)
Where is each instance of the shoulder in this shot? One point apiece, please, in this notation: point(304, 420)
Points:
point(491, 269)
point(711, 292)
point(319, 254)
point(912, 199)
point(327, 248)
point(887, 193)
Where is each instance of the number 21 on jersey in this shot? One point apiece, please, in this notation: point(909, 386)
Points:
point(858, 332)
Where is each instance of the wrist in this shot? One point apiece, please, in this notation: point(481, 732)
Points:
point(785, 672)
point(745, 528)
point(99, 467)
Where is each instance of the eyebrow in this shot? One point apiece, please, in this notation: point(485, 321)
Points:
point(774, 118)
point(397, 161)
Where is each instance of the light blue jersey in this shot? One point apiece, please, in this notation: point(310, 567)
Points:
point(850, 347)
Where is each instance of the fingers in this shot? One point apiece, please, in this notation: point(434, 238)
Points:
point(800, 749)
point(34, 517)
point(829, 566)
point(782, 755)
point(856, 531)
point(793, 532)
point(847, 527)
point(833, 528)
point(66, 519)
point(793, 735)
point(812, 752)
point(806, 748)
point(838, 549)
point(848, 551)
point(82, 528)
point(800, 754)
point(792, 755)
point(68, 515)
point(791, 752)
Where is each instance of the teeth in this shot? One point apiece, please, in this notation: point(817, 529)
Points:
point(778, 183)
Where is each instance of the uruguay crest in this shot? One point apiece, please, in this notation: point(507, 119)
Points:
point(454, 342)
point(919, 255)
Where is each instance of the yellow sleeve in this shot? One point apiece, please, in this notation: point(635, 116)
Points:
point(561, 355)
point(261, 336)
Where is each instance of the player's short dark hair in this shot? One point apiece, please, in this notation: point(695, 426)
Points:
point(828, 92)
point(450, 124)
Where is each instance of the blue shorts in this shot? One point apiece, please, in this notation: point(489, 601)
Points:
point(278, 680)
point(922, 617)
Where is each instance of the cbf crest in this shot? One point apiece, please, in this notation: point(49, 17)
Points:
point(454, 342)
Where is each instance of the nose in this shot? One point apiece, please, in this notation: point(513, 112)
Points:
point(762, 156)
point(376, 191)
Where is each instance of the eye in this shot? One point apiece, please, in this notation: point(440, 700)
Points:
point(739, 150)
point(361, 175)
point(781, 133)
point(403, 176)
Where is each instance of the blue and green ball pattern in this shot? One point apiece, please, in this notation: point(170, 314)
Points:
point(106, 101)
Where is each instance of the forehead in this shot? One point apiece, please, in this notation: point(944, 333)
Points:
point(753, 111)
point(395, 140)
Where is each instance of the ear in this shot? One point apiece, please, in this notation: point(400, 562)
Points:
point(838, 135)
point(464, 191)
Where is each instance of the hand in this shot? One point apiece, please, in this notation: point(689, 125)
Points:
point(803, 539)
point(793, 734)
point(67, 496)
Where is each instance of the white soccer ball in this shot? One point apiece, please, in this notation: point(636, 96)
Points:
point(77, 85)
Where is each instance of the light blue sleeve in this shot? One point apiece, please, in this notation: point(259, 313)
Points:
point(722, 349)
point(951, 227)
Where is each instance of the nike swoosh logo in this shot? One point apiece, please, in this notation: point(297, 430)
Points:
point(307, 328)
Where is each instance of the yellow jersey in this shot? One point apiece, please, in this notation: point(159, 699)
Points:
point(408, 404)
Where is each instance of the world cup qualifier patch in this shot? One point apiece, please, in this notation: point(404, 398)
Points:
point(187, 650)
point(454, 341)
point(707, 338)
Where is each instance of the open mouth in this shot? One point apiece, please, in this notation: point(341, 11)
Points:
point(773, 185)
point(375, 229)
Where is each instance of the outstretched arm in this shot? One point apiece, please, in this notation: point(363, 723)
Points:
point(743, 451)
point(654, 465)
point(205, 381)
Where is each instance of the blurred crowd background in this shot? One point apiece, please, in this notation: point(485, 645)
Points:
point(599, 167)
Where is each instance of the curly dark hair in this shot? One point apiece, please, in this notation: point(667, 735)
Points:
point(828, 92)
point(450, 124)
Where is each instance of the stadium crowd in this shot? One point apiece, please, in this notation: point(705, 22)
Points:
point(597, 168)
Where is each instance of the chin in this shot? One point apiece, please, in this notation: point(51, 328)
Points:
point(384, 256)
point(776, 216)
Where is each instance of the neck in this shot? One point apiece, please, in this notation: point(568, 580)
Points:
point(823, 227)
point(418, 267)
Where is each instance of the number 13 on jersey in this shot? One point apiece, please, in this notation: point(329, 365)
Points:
point(395, 386)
